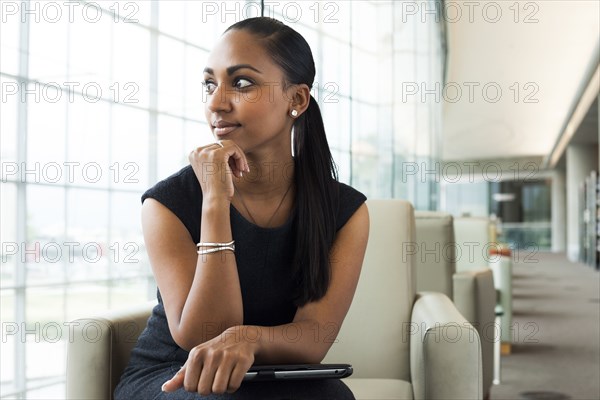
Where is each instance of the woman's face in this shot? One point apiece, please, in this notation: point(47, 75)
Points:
point(246, 101)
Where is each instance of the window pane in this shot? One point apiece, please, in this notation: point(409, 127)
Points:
point(196, 134)
point(88, 231)
point(335, 61)
point(130, 55)
point(46, 133)
point(193, 100)
point(171, 154)
point(170, 17)
point(89, 61)
point(45, 235)
point(170, 78)
point(201, 23)
point(10, 251)
point(126, 252)
point(129, 149)
point(45, 348)
point(131, 292)
point(88, 143)
point(12, 329)
point(56, 391)
point(363, 35)
point(9, 41)
point(8, 123)
point(364, 83)
point(336, 121)
point(48, 49)
point(85, 299)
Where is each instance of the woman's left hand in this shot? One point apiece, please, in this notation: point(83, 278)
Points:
point(216, 366)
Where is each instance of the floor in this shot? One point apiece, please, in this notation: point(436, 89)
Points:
point(556, 320)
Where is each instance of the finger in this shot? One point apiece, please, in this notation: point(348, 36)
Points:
point(235, 152)
point(190, 382)
point(175, 382)
point(222, 376)
point(207, 378)
point(236, 377)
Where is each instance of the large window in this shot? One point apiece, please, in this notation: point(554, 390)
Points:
point(100, 100)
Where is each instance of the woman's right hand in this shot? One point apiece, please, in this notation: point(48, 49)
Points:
point(215, 165)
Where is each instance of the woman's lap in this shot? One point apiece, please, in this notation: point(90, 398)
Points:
point(147, 384)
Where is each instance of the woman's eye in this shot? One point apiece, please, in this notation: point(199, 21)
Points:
point(209, 87)
point(242, 83)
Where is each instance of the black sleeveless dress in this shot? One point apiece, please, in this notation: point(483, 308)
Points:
point(263, 257)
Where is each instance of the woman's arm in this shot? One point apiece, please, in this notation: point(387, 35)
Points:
point(219, 365)
point(201, 293)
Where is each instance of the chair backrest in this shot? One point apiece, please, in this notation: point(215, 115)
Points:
point(472, 236)
point(436, 255)
point(374, 336)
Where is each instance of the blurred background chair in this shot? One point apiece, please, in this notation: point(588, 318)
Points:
point(479, 234)
point(472, 291)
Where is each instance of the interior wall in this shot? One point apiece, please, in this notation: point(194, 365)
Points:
point(581, 159)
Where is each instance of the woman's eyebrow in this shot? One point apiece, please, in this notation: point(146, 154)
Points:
point(233, 68)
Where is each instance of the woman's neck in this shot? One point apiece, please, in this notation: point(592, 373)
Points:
point(268, 177)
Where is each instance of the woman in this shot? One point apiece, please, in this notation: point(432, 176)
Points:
point(256, 251)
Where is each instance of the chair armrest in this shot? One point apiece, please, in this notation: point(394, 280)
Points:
point(98, 350)
point(501, 267)
point(445, 351)
point(475, 298)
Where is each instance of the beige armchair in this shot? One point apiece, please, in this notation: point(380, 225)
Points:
point(402, 345)
point(472, 291)
point(98, 351)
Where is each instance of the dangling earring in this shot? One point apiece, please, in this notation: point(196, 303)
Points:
point(294, 113)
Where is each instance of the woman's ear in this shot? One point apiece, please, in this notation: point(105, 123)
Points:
point(299, 96)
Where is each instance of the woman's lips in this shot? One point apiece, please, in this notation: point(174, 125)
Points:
point(226, 130)
point(222, 128)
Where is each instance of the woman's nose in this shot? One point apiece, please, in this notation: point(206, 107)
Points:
point(220, 99)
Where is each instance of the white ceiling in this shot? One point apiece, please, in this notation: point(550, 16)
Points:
point(555, 54)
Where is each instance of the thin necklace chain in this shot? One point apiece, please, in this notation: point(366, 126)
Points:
point(250, 214)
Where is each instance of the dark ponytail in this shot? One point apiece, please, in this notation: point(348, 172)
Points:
point(316, 187)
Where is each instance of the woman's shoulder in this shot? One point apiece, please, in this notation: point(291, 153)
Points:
point(182, 195)
point(350, 200)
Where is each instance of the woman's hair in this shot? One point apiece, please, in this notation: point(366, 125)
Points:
point(316, 188)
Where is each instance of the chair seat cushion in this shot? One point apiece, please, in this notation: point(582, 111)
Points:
point(379, 389)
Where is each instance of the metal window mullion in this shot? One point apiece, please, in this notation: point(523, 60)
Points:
point(350, 97)
point(153, 113)
point(111, 136)
point(21, 214)
point(394, 117)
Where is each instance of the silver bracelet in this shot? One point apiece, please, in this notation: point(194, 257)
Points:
point(212, 244)
point(216, 249)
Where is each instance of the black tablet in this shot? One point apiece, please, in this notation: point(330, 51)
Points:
point(298, 371)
